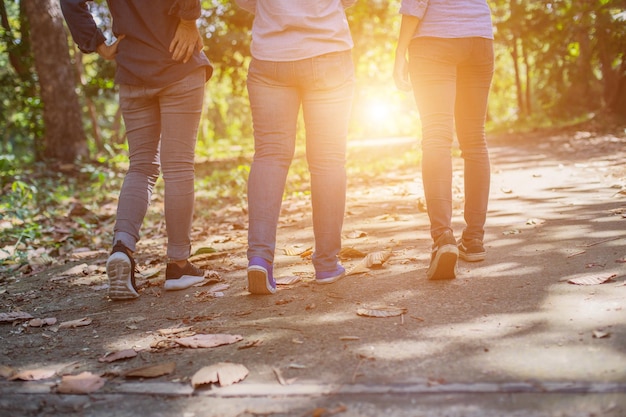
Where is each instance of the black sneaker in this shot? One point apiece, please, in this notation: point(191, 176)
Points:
point(472, 250)
point(443, 259)
point(179, 278)
point(121, 272)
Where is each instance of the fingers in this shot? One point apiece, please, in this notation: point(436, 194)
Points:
point(108, 52)
point(186, 40)
point(401, 74)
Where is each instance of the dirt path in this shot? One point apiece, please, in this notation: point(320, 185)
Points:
point(510, 324)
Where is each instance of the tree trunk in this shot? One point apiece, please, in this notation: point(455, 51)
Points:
point(65, 138)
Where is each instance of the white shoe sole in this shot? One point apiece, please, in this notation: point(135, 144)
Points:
point(119, 271)
point(183, 282)
point(258, 282)
point(443, 266)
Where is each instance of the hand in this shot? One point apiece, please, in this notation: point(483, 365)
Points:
point(401, 72)
point(108, 52)
point(186, 40)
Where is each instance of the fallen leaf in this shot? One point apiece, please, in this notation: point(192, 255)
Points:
point(372, 260)
point(599, 334)
point(13, 316)
point(208, 340)
point(119, 355)
point(355, 234)
point(49, 321)
point(288, 280)
point(296, 250)
point(203, 250)
point(171, 331)
point(83, 383)
point(225, 373)
point(75, 271)
point(85, 321)
point(6, 372)
point(591, 280)
point(384, 311)
point(350, 253)
point(349, 338)
point(251, 344)
point(281, 379)
point(152, 371)
point(33, 375)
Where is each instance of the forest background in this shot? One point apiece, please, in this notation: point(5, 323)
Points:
point(62, 139)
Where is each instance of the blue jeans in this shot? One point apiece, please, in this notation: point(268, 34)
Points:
point(162, 127)
point(451, 80)
point(323, 86)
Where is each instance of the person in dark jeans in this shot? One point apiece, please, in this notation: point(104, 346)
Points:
point(448, 51)
point(161, 72)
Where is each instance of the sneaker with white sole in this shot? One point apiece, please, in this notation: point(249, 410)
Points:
point(179, 278)
point(328, 277)
point(120, 269)
point(472, 250)
point(260, 276)
point(444, 256)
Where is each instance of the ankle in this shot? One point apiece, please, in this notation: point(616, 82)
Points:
point(179, 263)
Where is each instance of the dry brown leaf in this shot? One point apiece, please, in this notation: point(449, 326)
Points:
point(85, 321)
point(372, 260)
point(152, 371)
point(119, 355)
point(350, 253)
point(83, 383)
point(208, 340)
point(225, 373)
point(6, 372)
point(288, 280)
point(383, 311)
point(48, 321)
point(84, 254)
point(591, 280)
point(77, 270)
point(600, 334)
point(355, 234)
point(13, 316)
point(33, 374)
point(296, 250)
point(175, 330)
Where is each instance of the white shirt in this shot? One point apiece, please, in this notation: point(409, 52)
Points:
point(290, 30)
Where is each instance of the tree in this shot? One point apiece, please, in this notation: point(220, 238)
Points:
point(65, 138)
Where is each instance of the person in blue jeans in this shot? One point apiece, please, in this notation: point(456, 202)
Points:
point(447, 48)
point(301, 59)
point(161, 71)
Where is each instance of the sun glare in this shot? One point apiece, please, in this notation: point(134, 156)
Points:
point(384, 113)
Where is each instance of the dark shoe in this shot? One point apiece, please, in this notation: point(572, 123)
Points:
point(179, 278)
point(121, 272)
point(443, 258)
point(472, 250)
point(328, 277)
point(260, 276)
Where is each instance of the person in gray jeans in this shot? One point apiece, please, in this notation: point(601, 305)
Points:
point(301, 59)
point(161, 71)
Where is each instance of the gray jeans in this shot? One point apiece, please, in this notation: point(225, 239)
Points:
point(162, 127)
point(322, 87)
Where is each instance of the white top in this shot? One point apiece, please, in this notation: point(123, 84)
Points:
point(450, 18)
point(289, 30)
